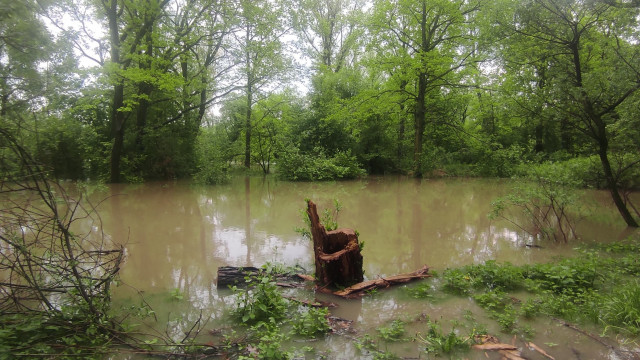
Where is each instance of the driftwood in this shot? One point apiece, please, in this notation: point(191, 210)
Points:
point(236, 276)
point(491, 343)
point(360, 289)
point(338, 261)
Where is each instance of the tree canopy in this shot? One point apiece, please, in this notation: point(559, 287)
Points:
point(124, 90)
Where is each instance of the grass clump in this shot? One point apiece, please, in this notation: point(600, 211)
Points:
point(312, 322)
point(598, 287)
point(439, 342)
point(393, 332)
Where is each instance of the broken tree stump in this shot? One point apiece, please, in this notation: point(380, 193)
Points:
point(337, 253)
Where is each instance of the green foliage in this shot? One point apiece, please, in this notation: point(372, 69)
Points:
point(457, 281)
point(210, 158)
point(260, 302)
point(438, 342)
point(497, 161)
point(547, 204)
point(312, 322)
point(621, 310)
point(422, 290)
point(328, 218)
point(393, 332)
point(70, 334)
point(592, 287)
point(295, 166)
point(267, 345)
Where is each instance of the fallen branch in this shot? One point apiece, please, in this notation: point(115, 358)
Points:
point(540, 350)
point(316, 304)
point(360, 289)
point(491, 343)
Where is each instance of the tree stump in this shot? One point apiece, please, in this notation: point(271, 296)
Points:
point(337, 253)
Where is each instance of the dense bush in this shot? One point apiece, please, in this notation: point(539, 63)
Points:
point(211, 165)
point(586, 172)
point(296, 166)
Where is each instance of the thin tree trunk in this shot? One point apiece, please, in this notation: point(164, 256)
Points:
point(419, 120)
point(613, 186)
point(247, 134)
point(247, 139)
point(117, 117)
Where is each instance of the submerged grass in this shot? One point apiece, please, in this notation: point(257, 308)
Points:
point(598, 286)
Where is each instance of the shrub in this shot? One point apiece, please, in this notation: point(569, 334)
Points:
point(296, 166)
point(210, 159)
point(260, 302)
point(312, 322)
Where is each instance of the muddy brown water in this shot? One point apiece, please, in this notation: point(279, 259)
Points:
point(176, 235)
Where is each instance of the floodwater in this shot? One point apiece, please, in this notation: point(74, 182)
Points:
point(176, 235)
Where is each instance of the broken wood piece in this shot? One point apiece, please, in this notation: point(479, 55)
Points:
point(540, 350)
point(237, 276)
point(494, 347)
point(507, 351)
point(361, 288)
point(230, 275)
point(337, 256)
point(316, 303)
point(306, 277)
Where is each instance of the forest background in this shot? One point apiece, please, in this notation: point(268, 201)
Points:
point(129, 91)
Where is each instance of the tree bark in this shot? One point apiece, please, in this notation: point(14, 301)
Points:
point(117, 117)
point(612, 185)
point(338, 261)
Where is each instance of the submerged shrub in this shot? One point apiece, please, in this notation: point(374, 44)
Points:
point(546, 205)
point(438, 342)
point(312, 322)
point(393, 332)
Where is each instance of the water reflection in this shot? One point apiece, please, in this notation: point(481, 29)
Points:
point(177, 235)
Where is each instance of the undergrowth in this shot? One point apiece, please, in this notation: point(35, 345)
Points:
point(597, 287)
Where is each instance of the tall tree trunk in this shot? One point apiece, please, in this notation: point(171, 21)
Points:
point(593, 120)
point(144, 89)
point(420, 110)
point(612, 184)
point(419, 120)
point(247, 136)
point(401, 125)
point(117, 117)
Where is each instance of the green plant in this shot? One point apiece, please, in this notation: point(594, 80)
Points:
point(622, 309)
point(329, 219)
point(547, 204)
point(176, 295)
point(368, 346)
point(267, 345)
point(393, 332)
point(296, 166)
point(421, 291)
point(312, 322)
point(457, 281)
point(438, 342)
point(260, 301)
